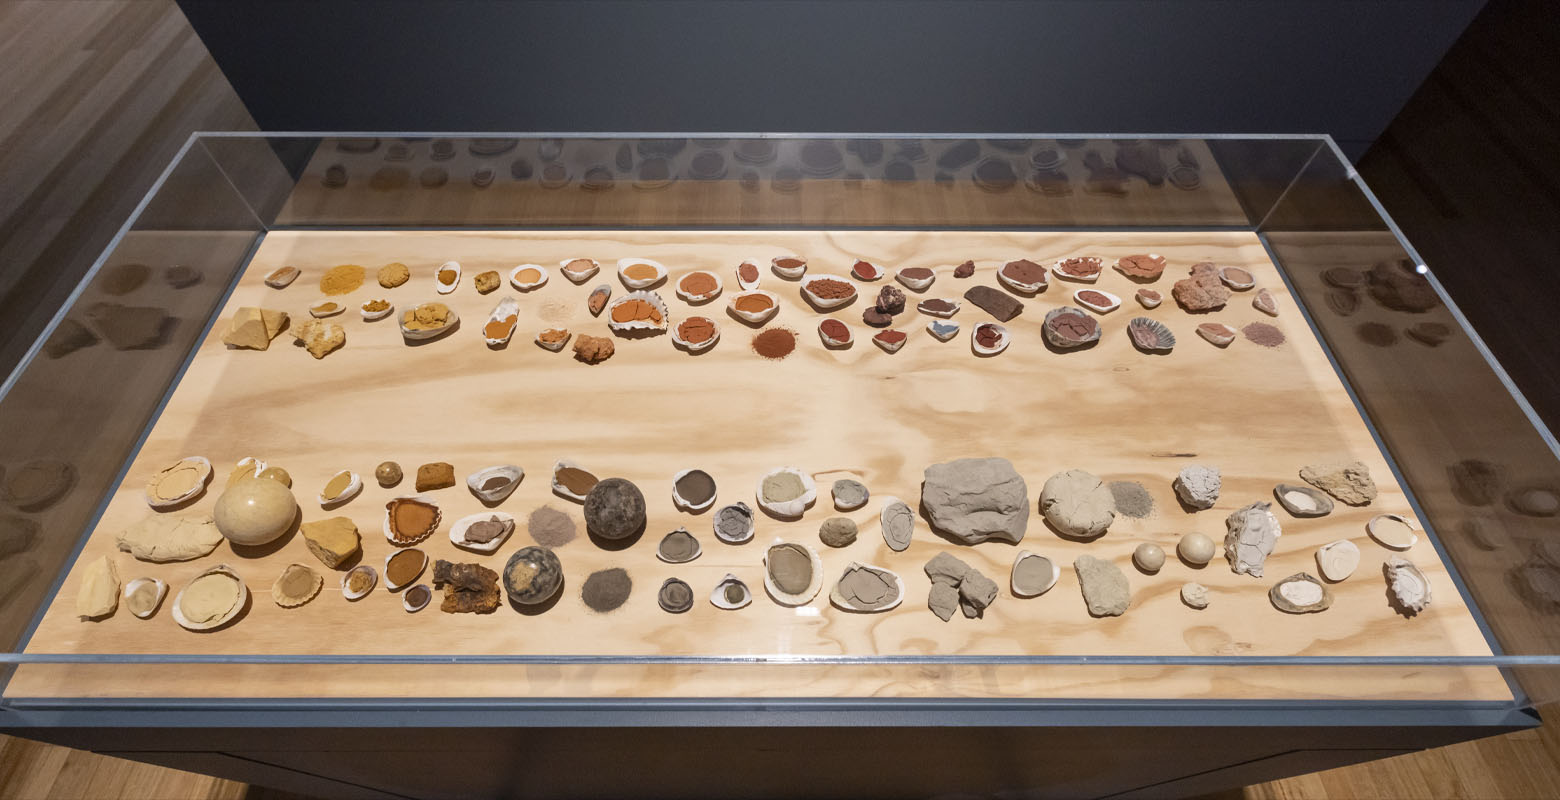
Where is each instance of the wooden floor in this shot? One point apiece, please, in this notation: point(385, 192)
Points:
point(95, 96)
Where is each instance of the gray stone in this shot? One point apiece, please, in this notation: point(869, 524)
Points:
point(942, 600)
point(978, 591)
point(946, 570)
point(614, 509)
point(976, 499)
point(1251, 533)
point(1350, 483)
point(1105, 588)
point(1198, 486)
point(1078, 504)
point(837, 532)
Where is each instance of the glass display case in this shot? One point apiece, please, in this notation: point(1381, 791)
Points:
point(774, 446)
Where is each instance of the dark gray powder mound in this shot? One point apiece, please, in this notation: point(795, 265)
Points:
point(606, 589)
point(1132, 500)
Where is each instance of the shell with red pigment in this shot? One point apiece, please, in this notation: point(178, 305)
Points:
point(1238, 278)
point(1150, 335)
point(1265, 303)
point(1217, 333)
point(890, 340)
point(866, 271)
point(1148, 298)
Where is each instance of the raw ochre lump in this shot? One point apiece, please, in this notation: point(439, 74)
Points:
point(1078, 504)
point(976, 499)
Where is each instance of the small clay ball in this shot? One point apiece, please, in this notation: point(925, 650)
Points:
point(253, 512)
point(276, 474)
point(837, 532)
point(1148, 557)
point(388, 473)
point(532, 576)
point(614, 509)
point(1195, 549)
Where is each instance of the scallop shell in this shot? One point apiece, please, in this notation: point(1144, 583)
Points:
point(789, 508)
point(398, 586)
point(698, 347)
point(888, 345)
point(1056, 574)
point(1408, 585)
point(371, 316)
point(1150, 335)
point(1392, 531)
point(825, 303)
point(1112, 302)
point(373, 579)
point(1004, 338)
point(438, 516)
point(807, 594)
point(506, 308)
point(194, 491)
point(354, 485)
point(914, 284)
point(282, 277)
point(526, 286)
point(238, 605)
point(943, 330)
point(841, 602)
point(639, 324)
point(678, 500)
point(754, 316)
point(561, 490)
point(327, 308)
point(866, 271)
point(458, 531)
point(1056, 269)
point(753, 284)
point(162, 591)
point(789, 273)
point(429, 333)
point(1316, 597)
point(1226, 274)
point(836, 343)
point(1337, 560)
point(438, 274)
point(639, 283)
point(414, 601)
point(579, 275)
point(476, 480)
point(247, 467)
point(1148, 298)
point(285, 600)
point(700, 298)
point(1217, 333)
point(740, 509)
point(698, 549)
point(718, 596)
point(554, 346)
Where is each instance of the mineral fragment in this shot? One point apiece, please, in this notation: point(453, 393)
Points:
point(333, 540)
point(976, 499)
point(1350, 483)
point(837, 532)
point(468, 588)
point(1398, 285)
point(253, 328)
point(997, 303)
point(593, 349)
point(1104, 586)
point(129, 327)
point(435, 475)
point(1476, 482)
point(1252, 532)
point(1077, 503)
point(1195, 595)
point(957, 584)
point(1198, 486)
point(1203, 291)
point(97, 595)
point(319, 337)
point(164, 537)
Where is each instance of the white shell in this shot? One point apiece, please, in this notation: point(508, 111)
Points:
point(327, 308)
point(840, 602)
point(1056, 269)
point(624, 263)
point(806, 594)
point(789, 273)
point(638, 325)
point(200, 486)
point(1338, 560)
point(718, 597)
point(370, 316)
point(753, 284)
point(526, 286)
point(458, 531)
point(889, 347)
point(754, 317)
point(432, 333)
point(446, 288)
point(1114, 302)
point(1239, 286)
point(678, 500)
point(1056, 574)
point(1392, 531)
point(698, 549)
point(825, 303)
point(373, 580)
point(701, 298)
point(788, 508)
point(162, 591)
point(701, 346)
point(354, 485)
point(561, 490)
point(745, 535)
point(413, 608)
point(827, 342)
point(891, 503)
point(507, 307)
point(915, 285)
point(1020, 286)
point(579, 276)
point(943, 329)
point(475, 480)
point(553, 346)
point(1408, 585)
point(1001, 344)
point(397, 586)
point(941, 314)
point(238, 607)
point(426, 498)
point(1149, 298)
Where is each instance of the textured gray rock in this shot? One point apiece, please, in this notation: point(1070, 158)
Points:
point(976, 499)
point(1350, 483)
point(956, 584)
point(976, 592)
point(1250, 535)
point(1078, 503)
point(1198, 486)
point(837, 531)
point(946, 569)
point(943, 600)
point(1105, 589)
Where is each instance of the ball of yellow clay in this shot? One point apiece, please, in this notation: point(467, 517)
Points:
point(255, 511)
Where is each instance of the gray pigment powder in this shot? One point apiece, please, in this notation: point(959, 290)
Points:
point(606, 590)
point(1132, 500)
point(550, 527)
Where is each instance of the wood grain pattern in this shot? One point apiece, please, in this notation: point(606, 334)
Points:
point(1258, 413)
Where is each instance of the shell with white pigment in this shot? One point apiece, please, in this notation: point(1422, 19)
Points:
point(1392, 531)
point(238, 605)
point(651, 322)
point(462, 526)
point(346, 582)
point(788, 267)
point(416, 598)
point(871, 589)
point(493, 484)
point(349, 490)
point(756, 315)
point(578, 270)
point(327, 308)
point(1029, 579)
point(159, 591)
point(561, 488)
point(1103, 304)
point(1003, 339)
point(789, 506)
point(446, 278)
point(695, 347)
point(757, 274)
point(700, 297)
point(625, 265)
point(1408, 585)
point(297, 585)
point(782, 562)
point(370, 315)
point(1150, 335)
point(733, 524)
point(1300, 593)
point(942, 330)
point(414, 554)
point(505, 315)
point(1302, 501)
point(408, 537)
point(825, 303)
point(527, 277)
point(731, 593)
point(1338, 560)
point(202, 467)
point(682, 502)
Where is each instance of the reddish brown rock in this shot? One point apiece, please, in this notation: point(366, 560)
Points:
point(468, 588)
point(1203, 291)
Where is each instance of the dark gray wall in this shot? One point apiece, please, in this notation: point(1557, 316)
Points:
point(1342, 67)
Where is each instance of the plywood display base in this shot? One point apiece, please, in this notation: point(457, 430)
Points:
point(1258, 413)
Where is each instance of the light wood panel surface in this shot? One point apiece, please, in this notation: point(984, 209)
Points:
point(651, 410)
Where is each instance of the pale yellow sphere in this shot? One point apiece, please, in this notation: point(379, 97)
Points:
point(255, 511)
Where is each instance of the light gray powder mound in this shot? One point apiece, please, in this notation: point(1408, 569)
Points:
point(550, 527)
point(1132, 499)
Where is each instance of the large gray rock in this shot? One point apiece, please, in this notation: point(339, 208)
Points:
point(976, 499)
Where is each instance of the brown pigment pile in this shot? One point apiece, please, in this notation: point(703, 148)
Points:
point(1263, 334)
point(775, 343)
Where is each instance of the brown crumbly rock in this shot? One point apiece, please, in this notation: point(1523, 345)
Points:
point(319, 337)
point(468, 588)
point(487, 282)
point(437, 475)
point(253, 328)
point(1203, 291)
point(593, 349)
point(393, 275)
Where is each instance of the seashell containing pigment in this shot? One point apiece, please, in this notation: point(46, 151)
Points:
point(942, 330)
point(789, 267)
point(835, 334)
point(640, 273)
point(897, 523)
point(785, 492)
point(482, 533)
point(358, 582)
point(1338, 560)
point(597, 301)
point(675, 596)
point(1148, 298)
point(1408, 585)
point(572, 481)
point(793, 573)
point(695, 326)
point(1252, 533)
point(865, 271)
point(552, 339)
point(637, 311)
point(1033, 574)
point(326, 308)
point(731, 593)
point(826, 291)
point(1067, 327)
point(493, 484)
point(693, 490)
point(699, 286)
point(733, 524)
point(938, 307)
point(1023, 276)
point(179, 482)
point(890, 340)
point(849, 495)
point(1300, 593)
point(501, 322)
point(527, 277)
point(755, 306)
point(1085, 269)
point(1142, 268)
point(989, 338)
point(578, 270)
point(213, 599)
point(916, 279)
point(1392, 531)
point(1237, 278)
point(416, 598)
point(428, 321)
point(1217, 333)
point(1150, 335)
point(342, 486)
point(1302, 501)
point(748, 275)
point(298, 584)
point(281, 277)
point(446, 278)
point(247, 467)
point(1098, 301)
point(377, 309)
point(678, 547)
point(411, 518)
point(1265, 303)
point(409, 564)
point(143, 596)
point(867, 589)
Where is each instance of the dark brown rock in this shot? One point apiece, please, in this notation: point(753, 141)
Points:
point(890, 300)
point(468, 588)
point(998, 304)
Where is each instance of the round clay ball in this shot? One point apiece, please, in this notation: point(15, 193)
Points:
point(388, 474)
point(1195, 549)
point(837, 532)
point(614, 509)
point(255, 511)
point(1148, 557)
point(532, 576)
